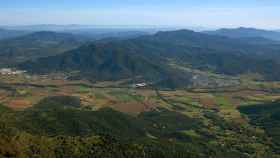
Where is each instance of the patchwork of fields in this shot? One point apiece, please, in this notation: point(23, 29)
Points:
point(24, 91)
point(156, 111)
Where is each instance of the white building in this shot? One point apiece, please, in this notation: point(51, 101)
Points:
point(139, 85)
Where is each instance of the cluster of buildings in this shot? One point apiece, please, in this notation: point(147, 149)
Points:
point(140, 85)
point(9, 71)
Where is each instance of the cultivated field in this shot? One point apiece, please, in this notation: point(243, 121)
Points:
point(23, 91)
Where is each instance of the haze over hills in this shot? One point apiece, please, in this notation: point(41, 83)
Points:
point(54, 27)
point(18, 46)
point(4, 34)
point(246, 32)
point(90, 31)
point(100, 28)
point(38, 44)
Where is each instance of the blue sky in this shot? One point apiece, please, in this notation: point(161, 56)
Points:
point(207, 13)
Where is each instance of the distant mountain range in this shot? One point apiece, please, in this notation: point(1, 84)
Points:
point(246, 32)
point(97, 32)
point(157, 58)
point(55, 27)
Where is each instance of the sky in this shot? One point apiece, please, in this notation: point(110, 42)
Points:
point(195, 13)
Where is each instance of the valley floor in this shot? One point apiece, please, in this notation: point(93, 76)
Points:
point(217, 110)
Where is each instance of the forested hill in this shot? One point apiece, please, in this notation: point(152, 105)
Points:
point(151, 55)
point(36, 45)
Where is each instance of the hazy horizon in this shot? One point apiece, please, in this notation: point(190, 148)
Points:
point(178, 13)
point(155, 28)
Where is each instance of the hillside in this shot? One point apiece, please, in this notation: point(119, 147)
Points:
point(99, 62)
point(36, 45)
point(266, 116)
point(157, 57)
point(246, 32)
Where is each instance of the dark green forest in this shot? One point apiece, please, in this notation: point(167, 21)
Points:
point(60, 127)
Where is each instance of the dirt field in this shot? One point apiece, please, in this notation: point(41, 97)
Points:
point(19, 104)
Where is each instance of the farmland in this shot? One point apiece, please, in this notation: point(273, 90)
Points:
point(149, 112)
point(23, 91)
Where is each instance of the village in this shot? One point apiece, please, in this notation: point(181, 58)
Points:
point(11, 71)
